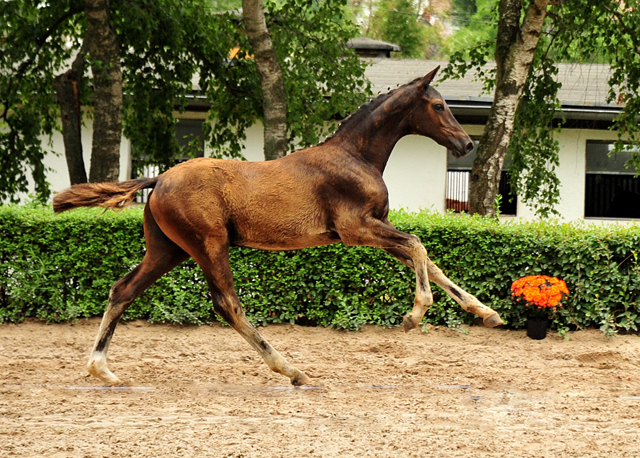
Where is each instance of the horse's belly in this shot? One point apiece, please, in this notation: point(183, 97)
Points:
point(275, 241)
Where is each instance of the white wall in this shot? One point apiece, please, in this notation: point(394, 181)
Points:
point(58, 176)
point(60, 173)
point(415, 174)
point(254, 146)
point(571, 172)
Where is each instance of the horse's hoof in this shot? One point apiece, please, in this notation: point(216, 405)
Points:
point(98, 368)
point(492, 321)
point(110, 380)
point(408, 323)
point(300, 379)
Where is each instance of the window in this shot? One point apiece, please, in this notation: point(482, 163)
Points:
point(190, 137)
point(611, 190)
point(457, 187)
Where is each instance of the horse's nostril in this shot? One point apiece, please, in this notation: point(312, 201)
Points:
point(469, 147)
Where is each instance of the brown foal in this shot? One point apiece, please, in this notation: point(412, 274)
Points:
point(330, 193)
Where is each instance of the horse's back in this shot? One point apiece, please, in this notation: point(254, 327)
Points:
point(267, 205)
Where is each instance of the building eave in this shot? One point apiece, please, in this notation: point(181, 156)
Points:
point(596, 116)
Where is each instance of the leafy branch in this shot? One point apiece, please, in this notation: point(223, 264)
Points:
point(40, 42)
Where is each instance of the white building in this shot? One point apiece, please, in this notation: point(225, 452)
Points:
point(593, 185)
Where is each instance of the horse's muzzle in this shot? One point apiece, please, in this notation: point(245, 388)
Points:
point(469, 147)
point(462, 147)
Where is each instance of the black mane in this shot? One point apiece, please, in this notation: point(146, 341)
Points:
point(365, 110)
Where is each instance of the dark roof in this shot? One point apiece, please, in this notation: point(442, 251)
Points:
point(368, 47)
point(370, 43)
point(583, 94)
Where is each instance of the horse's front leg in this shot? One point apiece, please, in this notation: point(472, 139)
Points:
point(382, 234)
point(424, 296)
point(467, 301)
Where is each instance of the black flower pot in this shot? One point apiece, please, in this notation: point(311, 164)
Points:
point(537, 329)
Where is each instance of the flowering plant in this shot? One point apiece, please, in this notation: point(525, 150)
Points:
point(540, 294)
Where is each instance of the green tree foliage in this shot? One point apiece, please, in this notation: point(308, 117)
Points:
point(477, 26)
point(224, 5)
point(166, 45)
point(574, 30)
point(605, 30)
point(396, 21)
point(33, 46)
point(324, 80)
point(463, 11)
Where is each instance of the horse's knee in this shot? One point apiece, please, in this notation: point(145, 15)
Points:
point(416, 244)
point(120, 296)
point(229, 310)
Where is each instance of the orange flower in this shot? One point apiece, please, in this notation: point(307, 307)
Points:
point(540, 291)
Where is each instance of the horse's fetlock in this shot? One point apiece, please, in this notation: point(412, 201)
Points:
point(424, 300)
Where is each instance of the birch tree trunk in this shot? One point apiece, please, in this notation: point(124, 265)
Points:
point(67, 87)
point(515, 48)
point(274, 97)
point(104, 50)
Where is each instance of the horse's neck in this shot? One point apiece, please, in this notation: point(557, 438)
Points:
point(373, 139)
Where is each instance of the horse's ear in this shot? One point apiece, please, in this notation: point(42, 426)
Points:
point(425, 81)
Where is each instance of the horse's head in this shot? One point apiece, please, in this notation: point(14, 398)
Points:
point(431, 117)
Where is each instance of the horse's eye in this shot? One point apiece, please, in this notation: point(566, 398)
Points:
point(438, 107)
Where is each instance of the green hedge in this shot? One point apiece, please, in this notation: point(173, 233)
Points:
point(59, 268)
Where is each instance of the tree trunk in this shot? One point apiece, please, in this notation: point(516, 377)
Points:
point(104, 50)
point(274, 104)
point(67, 87)
point(515, 48)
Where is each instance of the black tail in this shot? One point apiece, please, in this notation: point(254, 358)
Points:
point(107, 195)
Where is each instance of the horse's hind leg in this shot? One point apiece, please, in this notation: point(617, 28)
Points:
point(162, 256)
point(467, 301)
point(215, 265)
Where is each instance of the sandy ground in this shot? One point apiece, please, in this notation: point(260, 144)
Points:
point(380, 393)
